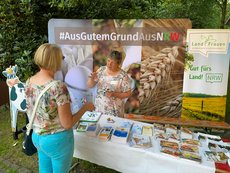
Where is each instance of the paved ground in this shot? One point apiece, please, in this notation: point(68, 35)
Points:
point(9, 164)
point(2, 171)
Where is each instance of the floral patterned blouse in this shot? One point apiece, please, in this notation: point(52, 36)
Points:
point(119, 83)
point(46, 117)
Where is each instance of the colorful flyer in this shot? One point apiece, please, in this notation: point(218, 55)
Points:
point(206, 74)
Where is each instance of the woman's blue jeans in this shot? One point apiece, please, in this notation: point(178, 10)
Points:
point(55, 151)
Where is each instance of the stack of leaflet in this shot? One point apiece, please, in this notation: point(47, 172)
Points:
point(218, 157)
point(159, 128)
point(136, 129)
point(218, 151)
point(169, 128)
point(93, 129)
point(205, 137)
point(147, 130)
point(90, 116)
point(140, 141)
point(121, 132)
point(170, 147)
point(87, 119)
point(185, 133)
point(190, 150)
point(105, 133)
point(82, 126)
point(140, 136)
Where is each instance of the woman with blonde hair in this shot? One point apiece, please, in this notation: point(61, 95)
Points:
point(52, 126)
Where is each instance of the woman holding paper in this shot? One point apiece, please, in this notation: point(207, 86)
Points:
point(53, 122)
point(113, 86)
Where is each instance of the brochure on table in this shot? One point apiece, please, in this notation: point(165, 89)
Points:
point(207, 71)
point(164, 141)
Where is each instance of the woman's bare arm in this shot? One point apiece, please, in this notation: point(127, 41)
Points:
point(68, 120)
point(120, 95)
point(91, 82)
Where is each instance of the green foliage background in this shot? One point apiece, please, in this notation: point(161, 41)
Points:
point(24, 23)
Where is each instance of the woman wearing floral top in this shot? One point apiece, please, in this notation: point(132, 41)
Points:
point(52, 127)
point(113, 86)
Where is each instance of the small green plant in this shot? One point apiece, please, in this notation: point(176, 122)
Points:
point(19, 36)
point(189, 58)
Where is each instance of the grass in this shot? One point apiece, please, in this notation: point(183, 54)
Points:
point(13, 160)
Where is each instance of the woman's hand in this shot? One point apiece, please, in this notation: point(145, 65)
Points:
point(120, 95)
point(92, 80)
point(93, 76)
point(109, 94)
point(88, 106)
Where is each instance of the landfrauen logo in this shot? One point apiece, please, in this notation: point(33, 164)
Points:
point(209, 42)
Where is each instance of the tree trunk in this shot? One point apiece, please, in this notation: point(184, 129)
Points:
point(223, 13)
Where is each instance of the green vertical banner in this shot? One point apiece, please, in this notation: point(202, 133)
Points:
point(206, 74)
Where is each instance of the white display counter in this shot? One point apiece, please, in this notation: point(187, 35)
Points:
point(123, 158)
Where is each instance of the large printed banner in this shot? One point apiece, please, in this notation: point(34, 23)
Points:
point(153, 56)
point(206, 75)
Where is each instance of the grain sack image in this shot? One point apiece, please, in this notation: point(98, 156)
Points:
point(162, 68)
